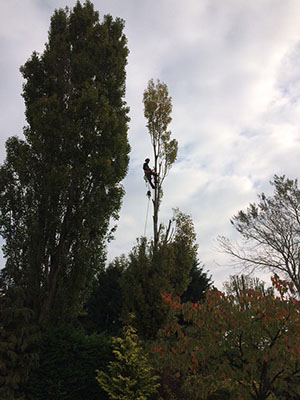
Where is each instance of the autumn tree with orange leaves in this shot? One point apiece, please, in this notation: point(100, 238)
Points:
point(246, 347)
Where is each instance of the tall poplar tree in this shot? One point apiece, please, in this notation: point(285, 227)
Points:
point(157, 111)
point(60, 186)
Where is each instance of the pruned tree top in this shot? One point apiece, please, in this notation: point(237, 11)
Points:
point(157, 111)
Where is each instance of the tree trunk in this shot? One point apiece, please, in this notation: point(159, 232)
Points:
point(156, 205)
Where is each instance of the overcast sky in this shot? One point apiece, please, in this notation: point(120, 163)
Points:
point(233, 70)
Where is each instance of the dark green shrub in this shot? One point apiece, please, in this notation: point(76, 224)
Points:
point(68, 362)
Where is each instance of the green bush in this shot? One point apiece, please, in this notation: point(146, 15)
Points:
point(68, 362)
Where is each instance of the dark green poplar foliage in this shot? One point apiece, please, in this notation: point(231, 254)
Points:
point(61, 185)
point(18, 354)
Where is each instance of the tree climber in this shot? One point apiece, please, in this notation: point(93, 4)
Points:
point(149, 172)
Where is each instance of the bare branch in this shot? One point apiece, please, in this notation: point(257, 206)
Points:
point(270, 231)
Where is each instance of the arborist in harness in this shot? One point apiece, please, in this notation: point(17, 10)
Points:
point(149, 172)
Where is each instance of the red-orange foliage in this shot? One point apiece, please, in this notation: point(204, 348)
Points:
point(249, 345)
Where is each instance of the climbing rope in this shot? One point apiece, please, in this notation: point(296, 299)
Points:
point(146, 216)
point(147, 212)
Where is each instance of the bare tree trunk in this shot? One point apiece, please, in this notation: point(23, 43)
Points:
point(155, 221)
point(156, 205)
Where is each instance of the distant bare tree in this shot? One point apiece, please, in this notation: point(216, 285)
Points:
point(238, 285)
point(270, 232)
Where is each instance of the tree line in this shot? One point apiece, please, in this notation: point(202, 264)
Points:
point(149, 325)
